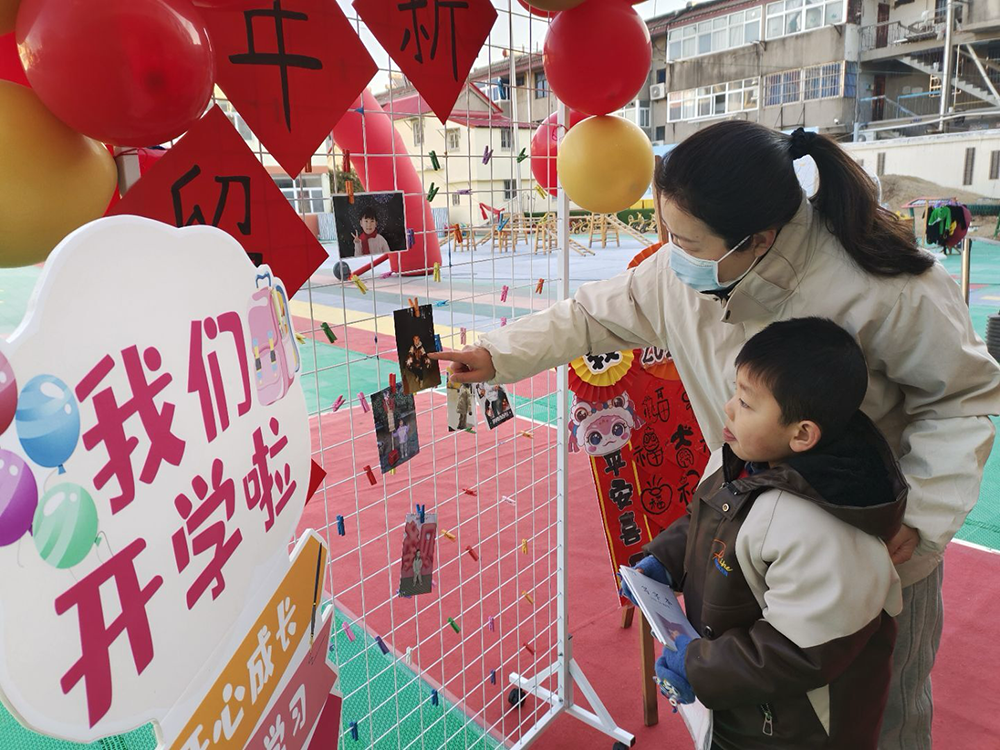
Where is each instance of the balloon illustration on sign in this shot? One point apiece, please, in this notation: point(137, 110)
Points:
point(65, 525)
point(8, 394)
point(48, 421)
point(18, 497)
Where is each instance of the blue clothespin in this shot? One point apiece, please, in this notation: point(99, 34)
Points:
point(340, 526)
point(437, 342)
point(503, 222)
point(354, 730)
point(434, 697)
point(381, 644)
point(493, 677)
point(421, 509)
point(442, 303)
point(410, 238)
point(487, 154)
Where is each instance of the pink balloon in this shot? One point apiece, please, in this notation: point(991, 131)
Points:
point(18, 497)
point(545, 148)
point(8, 394)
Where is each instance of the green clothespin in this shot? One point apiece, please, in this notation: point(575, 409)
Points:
point(520, 157)
point(432, 192)
point(329, 332)
point(434, 161)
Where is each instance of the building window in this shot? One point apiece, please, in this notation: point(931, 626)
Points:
point(880, 164)
point(418, 132)
point(970, 160)
point(850, 79)
point(783, 88)
point(456, 199)
point(788, 17)
point(541, 86)
point(644, 118)
point(454, 139)
point(305, 194)
point(506, 139)
point(822, 81)
point(509, 190)
point(713, 101)
point(661, 132)
point(661, 75)
point(519, 80)
point(994, 165)
point(715, 35)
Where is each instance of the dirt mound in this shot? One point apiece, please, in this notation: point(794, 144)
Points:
point(898, 190)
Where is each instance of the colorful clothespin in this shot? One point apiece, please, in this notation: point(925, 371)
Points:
point(503, 293)
point(437, 342)
point(492, 626)
point(487, 155)
point(411, 237)
point(503, 222)
point(432, 193)
point(338, 403)
point(461, 334)
point(528, 596)
point(507, 499)
point(469, 491)
point(359, 283)
point(329, 332)
point(457, 232)
point(464, 191)
point(434, 697)
point(354, 730)
point(527, 434)
point(422, 511)
point(385, 275)
point(454, 625)
point(347, 161)
point(527, 647)
point(300, 338)
point(371, 475)
point(435, 164)
point(541, 191)
point(350, 192)
point(415, 306)
point(341, 531)
point(503, 322)
point(524, 546)
point(442, 303)
point(381, 645)
point(448, 534)
point(350, 633)
point(437, 271)
point(538, 288)
point(408, 659)
point(493, 677)
point(364, 402)
point(472, 553)
point(522, 156)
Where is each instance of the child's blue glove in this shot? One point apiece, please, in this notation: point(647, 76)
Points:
point(651, 567)
point(671, 675)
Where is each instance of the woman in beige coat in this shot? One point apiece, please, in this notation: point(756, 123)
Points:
point(748, 248)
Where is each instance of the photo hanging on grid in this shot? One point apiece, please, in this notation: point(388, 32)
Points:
point(417, 567)
point(371, 224)
point(395, 417)
point(461, 407)
point(495, 404)
point(414, 340)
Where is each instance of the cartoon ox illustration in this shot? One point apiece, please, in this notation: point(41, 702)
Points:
point(602, 428)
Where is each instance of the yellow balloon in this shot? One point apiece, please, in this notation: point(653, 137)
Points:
point(605, 164)
point(8, 13)
point(52, 179)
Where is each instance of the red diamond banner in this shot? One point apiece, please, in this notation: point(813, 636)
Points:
point(211, 176)
point(291, 68)
point(434, 42)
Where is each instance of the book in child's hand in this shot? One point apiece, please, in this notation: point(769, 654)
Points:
point(659, 604)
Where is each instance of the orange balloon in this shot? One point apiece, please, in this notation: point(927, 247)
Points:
point(52, 179)
point(8, 12)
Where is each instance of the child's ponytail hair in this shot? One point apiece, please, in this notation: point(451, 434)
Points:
point(738, 178)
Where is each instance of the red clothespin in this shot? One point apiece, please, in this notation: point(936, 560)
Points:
point(392, 382)
point(350, 633)
point(527, 647)
point(468, 491)
point(458, 233)
point(472, 553)
point(371, 475)
point(364, 402)
point(347, 163)
point(503, 322)
point(538, 289)
point(338, 403)
point(350, 192)
point(503, 293)
point(461, 333)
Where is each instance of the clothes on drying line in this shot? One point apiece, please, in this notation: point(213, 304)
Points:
point(947, 224)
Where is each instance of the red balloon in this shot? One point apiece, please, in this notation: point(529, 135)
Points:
point(539, 11)
point(10, 63)
point(127, 72)
point(545, 148)
point(597, 56)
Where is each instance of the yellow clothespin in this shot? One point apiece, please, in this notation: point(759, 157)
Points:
point(527, 434)
point(437, 272)
point(541, 190)
point(524, 546)
point(447, 534)
point(359, 283)
point(300, 338)
point(528, 596)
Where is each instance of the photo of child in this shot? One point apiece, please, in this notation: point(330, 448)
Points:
point(395, 416)
point(494, 403)
point(416, 569)
point(461, 410)
point(414, 339)
point(374, 224)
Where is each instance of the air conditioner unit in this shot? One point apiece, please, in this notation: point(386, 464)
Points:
point(658, 91)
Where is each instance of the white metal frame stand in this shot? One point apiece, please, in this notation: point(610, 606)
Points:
point(567, 672)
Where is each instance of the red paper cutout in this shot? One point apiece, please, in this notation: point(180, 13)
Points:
point(595, 393)
point(211, 177)
point(327, 731)
point(434, 42)
point(316, 476)
point(292, 68)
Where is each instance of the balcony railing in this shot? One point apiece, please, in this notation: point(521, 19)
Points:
point(913, 107)
point(894, 34)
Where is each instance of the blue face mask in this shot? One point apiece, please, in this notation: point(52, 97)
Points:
point(701, 274)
